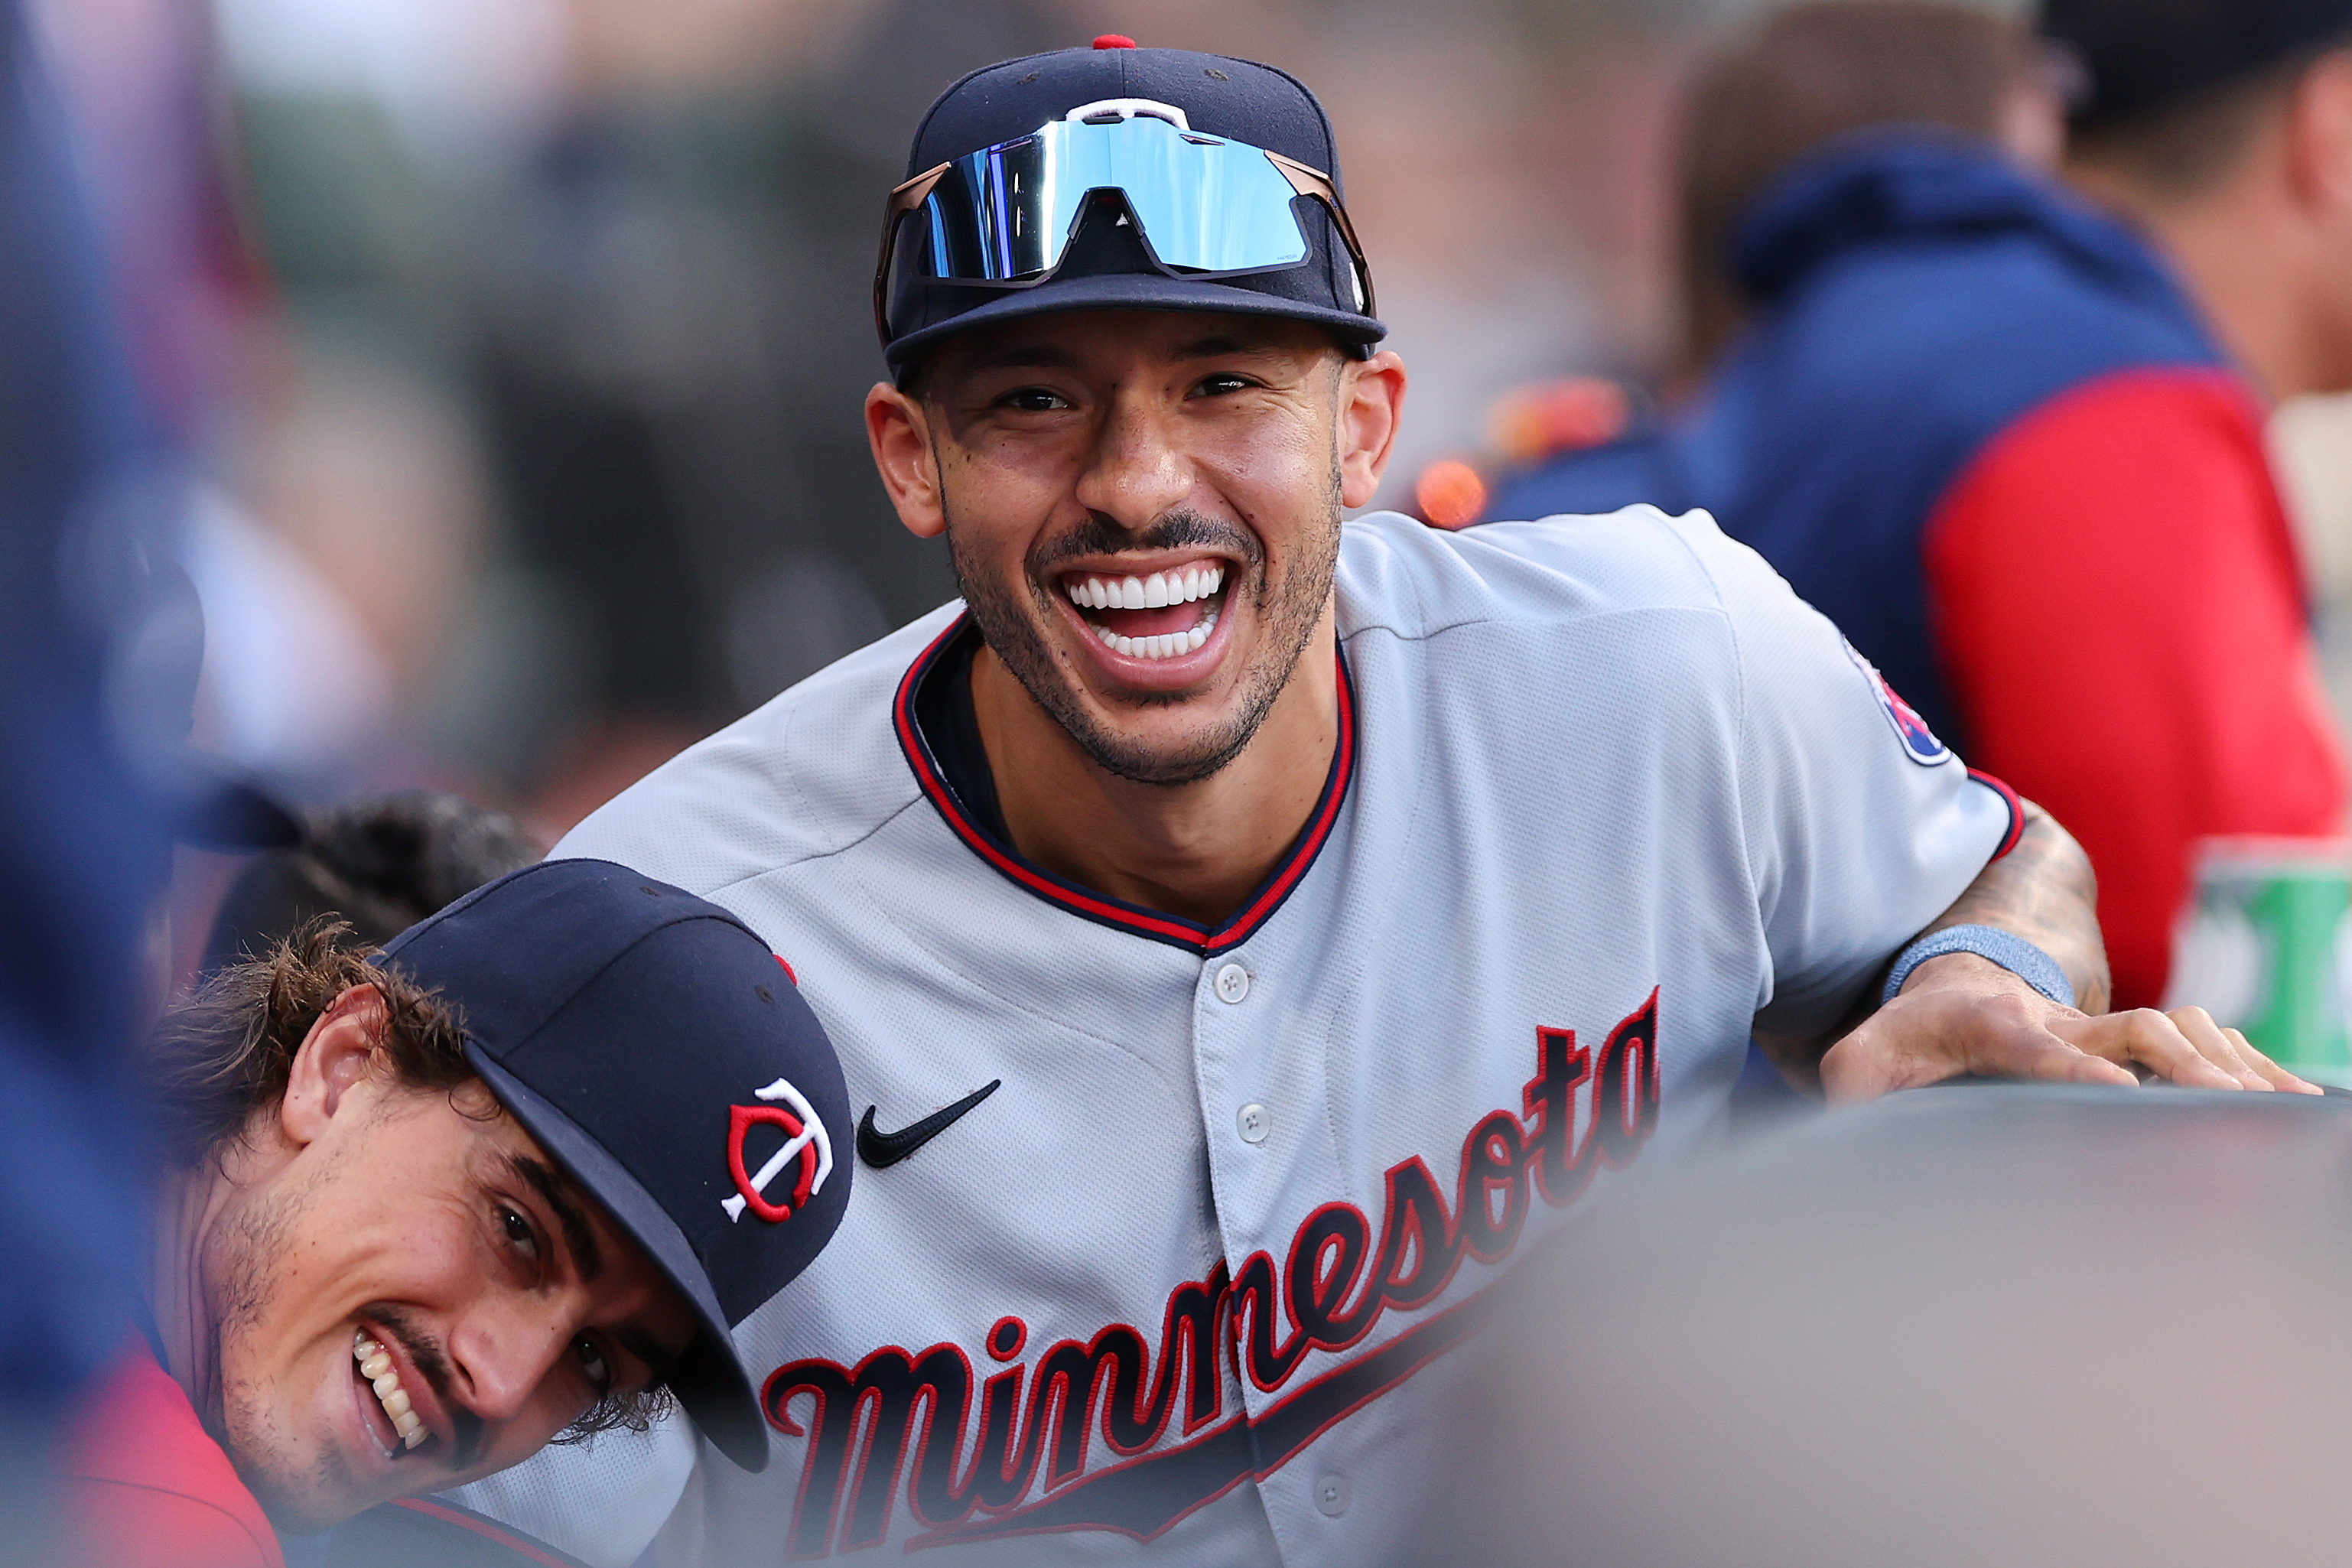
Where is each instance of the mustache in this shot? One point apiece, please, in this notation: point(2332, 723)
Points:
point(468, 1431)
point(1099, 535)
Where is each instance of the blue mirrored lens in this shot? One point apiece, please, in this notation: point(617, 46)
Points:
point(1205, 206)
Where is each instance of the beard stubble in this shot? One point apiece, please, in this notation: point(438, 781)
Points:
point(1012, 623)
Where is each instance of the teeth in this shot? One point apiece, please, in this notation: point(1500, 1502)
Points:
point(1155, 592)
point(376, 1365)
point(1167, 645)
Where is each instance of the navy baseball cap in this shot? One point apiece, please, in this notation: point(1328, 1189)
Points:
point(2137, 56)
point(1112, 243)
point(661, 1054)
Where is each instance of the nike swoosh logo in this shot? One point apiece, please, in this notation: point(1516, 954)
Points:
point(879, 1149)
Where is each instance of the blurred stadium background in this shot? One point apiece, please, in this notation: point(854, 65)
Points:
point(518, 344)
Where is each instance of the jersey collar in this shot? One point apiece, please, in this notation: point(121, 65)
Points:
point(1173, 930)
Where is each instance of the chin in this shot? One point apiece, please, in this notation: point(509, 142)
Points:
point(301, 1504)
point(1162, 754)
point(302, 1482)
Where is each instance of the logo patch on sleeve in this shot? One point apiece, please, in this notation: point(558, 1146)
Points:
point(1919, 742)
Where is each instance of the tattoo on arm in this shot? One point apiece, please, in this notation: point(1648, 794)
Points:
point(2043, 890)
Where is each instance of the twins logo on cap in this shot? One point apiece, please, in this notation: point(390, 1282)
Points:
point(1919, 742)
point(807, 1152)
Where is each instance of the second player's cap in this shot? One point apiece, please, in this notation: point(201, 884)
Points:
point(1118, 177)
point(2139, 56)
point(661, 1054)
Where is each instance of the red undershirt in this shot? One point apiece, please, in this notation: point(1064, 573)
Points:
point(141, 1483)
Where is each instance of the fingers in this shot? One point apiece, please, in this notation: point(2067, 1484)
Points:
point(1929, 1034)
point(1926, 1036)
point(2146, 1037)
point(2269, 1071)
point(2219, 1046)
point(2186, 1047)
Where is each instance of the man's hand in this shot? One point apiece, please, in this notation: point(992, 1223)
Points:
point(1962, 1014)
point(1965, 1015)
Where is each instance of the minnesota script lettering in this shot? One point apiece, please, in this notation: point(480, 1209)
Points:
point(1342, 1276)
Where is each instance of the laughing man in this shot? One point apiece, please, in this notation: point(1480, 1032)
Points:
point(1245, 927)
point(516, 1178)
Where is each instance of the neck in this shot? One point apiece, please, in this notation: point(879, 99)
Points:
point(2253, 269)
point(1195, 850)
point(184, 1210)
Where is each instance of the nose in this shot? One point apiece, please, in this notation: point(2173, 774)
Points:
point(501, 1355)
point(1136, 473)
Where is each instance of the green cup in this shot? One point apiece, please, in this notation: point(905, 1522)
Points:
point(2263, 946)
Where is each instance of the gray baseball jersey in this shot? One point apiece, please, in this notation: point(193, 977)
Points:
point(1606, 793)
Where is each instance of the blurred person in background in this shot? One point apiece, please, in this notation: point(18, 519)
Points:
point(1993, 433)
point(428, 1207)
point(83, 844)
point(379, 865)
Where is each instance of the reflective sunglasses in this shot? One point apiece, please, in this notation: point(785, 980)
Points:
point(1206, 206)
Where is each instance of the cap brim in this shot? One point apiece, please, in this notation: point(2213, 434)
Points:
point(1135, 291)
point(710, 1379)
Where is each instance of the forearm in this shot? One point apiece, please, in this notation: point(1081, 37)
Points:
point(1962, 1014)
point(2043, 890)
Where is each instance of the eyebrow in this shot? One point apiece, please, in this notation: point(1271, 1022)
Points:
point(578, 1236)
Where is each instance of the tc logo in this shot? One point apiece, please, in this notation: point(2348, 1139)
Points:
point(807, 1151)
point(1919, 742)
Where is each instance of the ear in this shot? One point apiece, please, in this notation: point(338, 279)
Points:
point(2032, 123)
point(2319, 134)
point(1372, 402)
point(334, 1058)
point(901, 435)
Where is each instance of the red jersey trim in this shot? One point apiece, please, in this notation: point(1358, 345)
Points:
point(1173, 930)
point(2016, 810)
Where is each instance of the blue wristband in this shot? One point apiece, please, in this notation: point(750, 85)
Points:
point(2006, 948)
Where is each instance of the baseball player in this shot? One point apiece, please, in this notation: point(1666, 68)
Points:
point(1242, 930)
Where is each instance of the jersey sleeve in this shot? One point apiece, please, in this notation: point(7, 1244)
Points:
point(2117, 605)
point(1860, 825)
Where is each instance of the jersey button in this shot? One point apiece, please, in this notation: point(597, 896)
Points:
point(1332, 1496)
point(1255, 1123)
point(1233, 983)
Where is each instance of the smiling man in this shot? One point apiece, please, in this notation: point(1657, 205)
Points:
point(429, 1213)
point(1244, 927)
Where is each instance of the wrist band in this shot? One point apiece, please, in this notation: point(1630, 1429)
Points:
point(2006, 948)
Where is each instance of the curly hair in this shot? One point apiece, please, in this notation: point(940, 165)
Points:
point(226, 1050)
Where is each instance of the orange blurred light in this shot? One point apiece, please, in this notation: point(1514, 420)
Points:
point(1450, 493)
point(1533, 422)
